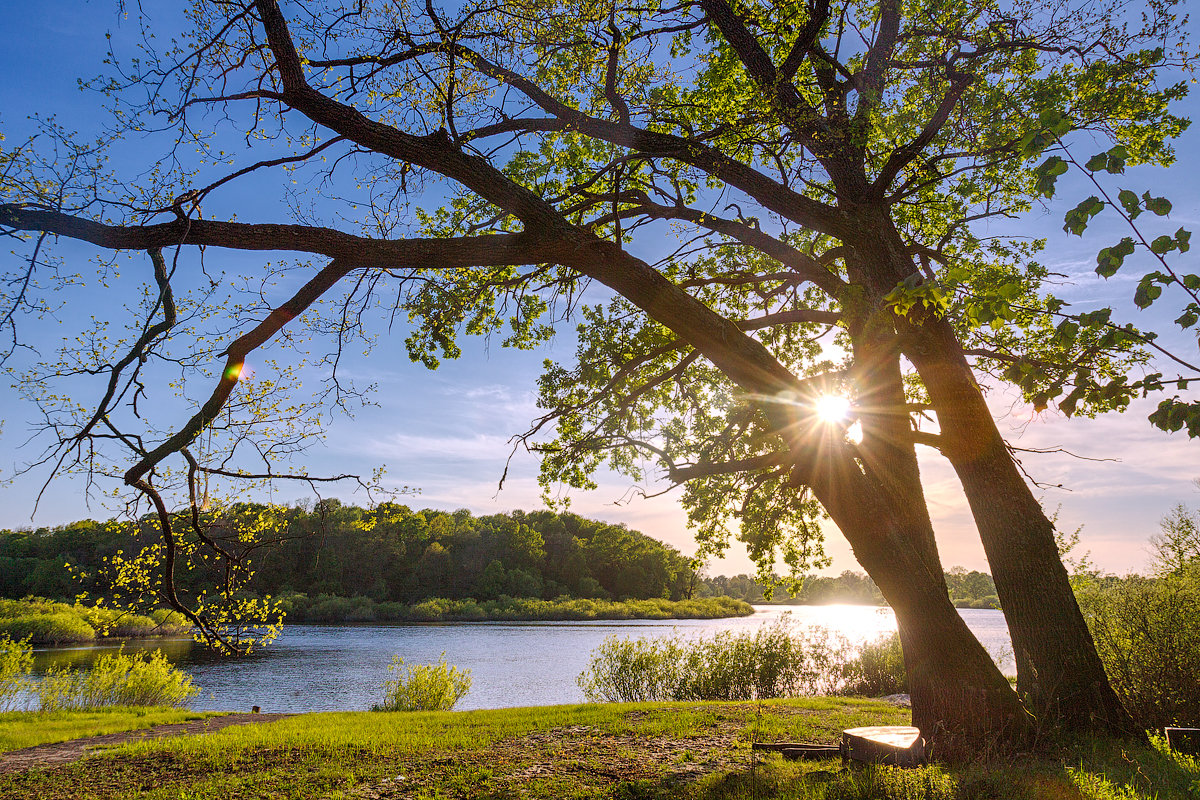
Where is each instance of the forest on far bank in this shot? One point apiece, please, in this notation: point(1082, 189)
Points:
point(968, 589)
point(387, 553)
point(394, 554)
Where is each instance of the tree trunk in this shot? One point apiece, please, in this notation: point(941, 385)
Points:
point(1058, 670)
point(961, 702)
point(1059, 673)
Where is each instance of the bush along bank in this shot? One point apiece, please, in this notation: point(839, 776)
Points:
point(44, 621)
point(777, 660)
point(331, 609)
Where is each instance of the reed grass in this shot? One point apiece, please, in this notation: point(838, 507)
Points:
point(116, 679)
point(776, 660)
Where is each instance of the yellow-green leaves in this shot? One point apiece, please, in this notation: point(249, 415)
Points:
point(914, 292)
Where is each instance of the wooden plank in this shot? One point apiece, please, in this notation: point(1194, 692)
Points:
point(899, 745)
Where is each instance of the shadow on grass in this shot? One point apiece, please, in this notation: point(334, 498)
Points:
point(1087, 771)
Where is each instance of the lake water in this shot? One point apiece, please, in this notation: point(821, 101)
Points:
point(343, 667)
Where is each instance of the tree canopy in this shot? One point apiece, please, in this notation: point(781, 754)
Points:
point(748, 207)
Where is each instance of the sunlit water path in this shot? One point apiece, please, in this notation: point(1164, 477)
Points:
point(327, 667)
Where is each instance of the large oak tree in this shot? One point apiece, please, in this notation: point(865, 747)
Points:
point(778, 201)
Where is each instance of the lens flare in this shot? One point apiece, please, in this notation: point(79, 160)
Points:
point(833, 408)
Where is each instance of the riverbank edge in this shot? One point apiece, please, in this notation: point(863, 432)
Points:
point(978, 604)
point(331, 609)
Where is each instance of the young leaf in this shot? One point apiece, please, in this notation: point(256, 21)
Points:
point(1077, 218)
point(1182, 239)
point(1162, 244)
point(1159, 205)
point(1147, 291)
point(1129, 201)
point(1110, 259)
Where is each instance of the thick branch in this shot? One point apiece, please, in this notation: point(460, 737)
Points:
point(752, 464)
point(478, 251)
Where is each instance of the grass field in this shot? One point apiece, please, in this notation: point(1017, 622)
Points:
point(689, 751)
point(28, 728)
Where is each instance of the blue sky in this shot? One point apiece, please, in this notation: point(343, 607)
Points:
point(447, 432)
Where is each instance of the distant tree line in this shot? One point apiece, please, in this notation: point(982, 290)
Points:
point(387, 553)
point(971, 589)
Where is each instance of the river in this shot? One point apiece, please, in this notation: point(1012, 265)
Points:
point(343, 667)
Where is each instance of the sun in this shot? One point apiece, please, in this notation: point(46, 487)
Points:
point(833, 408)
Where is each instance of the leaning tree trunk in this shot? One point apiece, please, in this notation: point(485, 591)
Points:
point(960, 700)
point(1059, 672)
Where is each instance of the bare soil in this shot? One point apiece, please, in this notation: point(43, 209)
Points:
point(49, 755)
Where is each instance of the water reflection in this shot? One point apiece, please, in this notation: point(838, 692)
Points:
point(328, 667)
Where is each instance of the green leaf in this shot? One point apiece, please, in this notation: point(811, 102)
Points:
point(1159, 205)
point(1047, 174)
point(1172, 415)
point(1182, 239)
point(1077, 218)
point(1112, 161)
point(1129, 201)
point(1147, 292)
point(1110, 259)
point(1097, 318)
point(1162, 244)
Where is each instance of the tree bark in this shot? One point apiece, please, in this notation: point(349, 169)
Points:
point(960, 700)
point(1059, 672)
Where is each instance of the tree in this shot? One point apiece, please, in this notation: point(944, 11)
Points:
point(1177, 545)
point(821, 164)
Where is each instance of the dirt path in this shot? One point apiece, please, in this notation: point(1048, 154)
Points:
point(48, 755)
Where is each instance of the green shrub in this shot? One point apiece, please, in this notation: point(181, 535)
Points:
point(390, 611)
point(431, 610)
point(773, 661)
point(47, 622)
point(424, 687)
point(362, 609)
point(469, 611)
point(1147, 631)
point(878, 669)
point(116, 679)
point(327, 608)
point(16, 662)
point(59, 627)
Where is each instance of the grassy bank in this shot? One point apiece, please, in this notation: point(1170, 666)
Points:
point(47, 622)
point(30, 728)
point(332, 609)
point(689, 751)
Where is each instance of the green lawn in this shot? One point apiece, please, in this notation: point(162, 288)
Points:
point(29, 728)
point(684, 751)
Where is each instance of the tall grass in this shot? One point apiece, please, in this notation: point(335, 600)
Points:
point(774, 661)
point(1147, 632)
point(116, 679)
point(16, 662)
point(424, 687)
point(877, 670)
point(47, 622)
